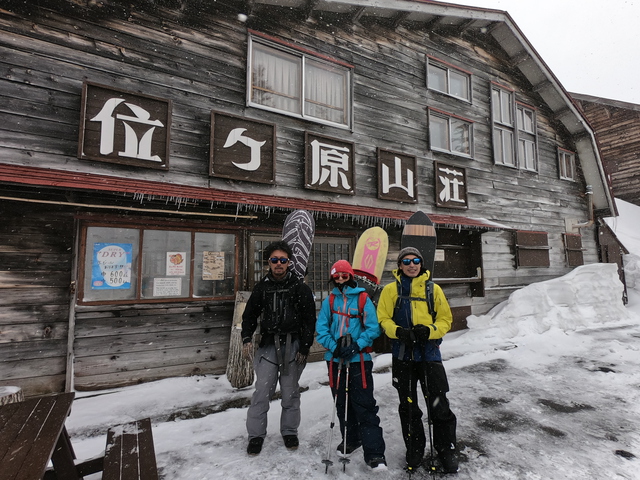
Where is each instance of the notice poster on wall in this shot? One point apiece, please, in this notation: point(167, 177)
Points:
point(111, 268)
point(167, 287)
point(176, 263)
point(213, 266)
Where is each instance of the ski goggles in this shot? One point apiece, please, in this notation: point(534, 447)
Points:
point(340, 276)
point(409, 261)
point(282, 260)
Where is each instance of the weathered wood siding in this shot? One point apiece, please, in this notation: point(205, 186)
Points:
point(617, 127)
point(127, 345)
point(35, 277)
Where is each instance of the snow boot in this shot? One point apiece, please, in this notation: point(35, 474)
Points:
point(291, 442)
point(255, 446)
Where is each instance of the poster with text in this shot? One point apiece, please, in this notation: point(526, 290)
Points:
point(213, 266)
point(111, 269)
point(176, 263)
point(167, 287)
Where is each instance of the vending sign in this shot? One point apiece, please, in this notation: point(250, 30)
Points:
point(111, 269)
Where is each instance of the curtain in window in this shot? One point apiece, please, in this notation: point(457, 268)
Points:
point(276, 79)
point(460, 137)
point(325, 92)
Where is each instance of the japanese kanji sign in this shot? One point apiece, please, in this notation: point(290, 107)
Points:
point(451, 186)
point(329, 165)
point(397, 177)
point(242, 149)
point(124, 127)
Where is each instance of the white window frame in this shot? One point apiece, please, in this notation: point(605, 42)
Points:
point(451, 122)
point(563, 157)
point(515, 141)
point(449, 71)
point(301, 98)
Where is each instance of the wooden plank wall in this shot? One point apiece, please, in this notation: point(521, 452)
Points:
point(117, 346)
point(617, 127)
point(35, 276)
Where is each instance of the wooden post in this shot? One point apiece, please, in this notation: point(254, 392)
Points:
point(10, 395)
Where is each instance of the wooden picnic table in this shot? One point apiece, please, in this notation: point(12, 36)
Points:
point(32, 432)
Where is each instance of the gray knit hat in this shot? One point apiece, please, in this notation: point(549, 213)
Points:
point(409, 251)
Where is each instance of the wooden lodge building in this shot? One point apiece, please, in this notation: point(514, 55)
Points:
point(149, 150)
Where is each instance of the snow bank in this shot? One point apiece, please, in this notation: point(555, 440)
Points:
point(632, 271)
point(587, 296)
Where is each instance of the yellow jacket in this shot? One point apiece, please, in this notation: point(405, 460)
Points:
point(419, 310)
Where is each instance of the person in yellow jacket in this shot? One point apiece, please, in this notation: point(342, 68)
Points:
point(404, 315)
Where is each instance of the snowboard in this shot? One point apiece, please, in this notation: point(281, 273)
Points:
point(298, 231)
point(420, 233)
point(239, 370)
point(368, 260)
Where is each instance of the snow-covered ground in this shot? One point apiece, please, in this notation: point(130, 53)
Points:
point(545, 386)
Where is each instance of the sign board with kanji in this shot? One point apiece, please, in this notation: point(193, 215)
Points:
point(397, 177)
point(329, 165)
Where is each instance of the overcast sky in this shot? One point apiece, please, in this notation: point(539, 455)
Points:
point(592, 46)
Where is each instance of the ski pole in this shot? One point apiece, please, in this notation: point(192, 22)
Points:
point(427, 398)
point(344, 459)
point(326, 460)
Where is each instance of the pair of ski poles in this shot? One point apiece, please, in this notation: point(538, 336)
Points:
point(343, 458)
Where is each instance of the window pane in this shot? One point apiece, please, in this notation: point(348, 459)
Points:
point(460, 136)
point(503, 144)
point(214, 265)
point(459, 84)
point(111, 259)
point(506, 108)
point(325, 92)
point(438, 132)
point(275, 79)
point(437, 78)
point(525, 119)
point(166, 264)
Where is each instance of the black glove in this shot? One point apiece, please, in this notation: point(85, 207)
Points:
point(349, 351)
point(422, 333)
point(405, 335)
point(336, 352)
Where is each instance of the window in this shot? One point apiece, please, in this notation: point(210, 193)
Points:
point(297, 83)
point(566, 164)
point(448, 79)
point(449, 133)
point(515, 141)
point(527, 145)
point(131, 264)
point(532, 249)
point(573, 249)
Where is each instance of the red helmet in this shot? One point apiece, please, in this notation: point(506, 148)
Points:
point(342, 266)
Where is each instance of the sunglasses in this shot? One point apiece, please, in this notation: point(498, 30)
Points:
point(340, 276)
point(409, 261)
point(282, 260)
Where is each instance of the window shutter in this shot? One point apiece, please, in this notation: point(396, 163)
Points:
point(573, 249)
point(532, 249)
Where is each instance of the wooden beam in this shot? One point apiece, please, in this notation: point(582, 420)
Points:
point(398, 19)
point(356, 13)
point(309, 7)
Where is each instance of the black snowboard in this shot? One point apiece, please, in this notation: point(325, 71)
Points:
point(298, 231)
point(420, 233)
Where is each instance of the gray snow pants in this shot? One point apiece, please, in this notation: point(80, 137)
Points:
point(267, 376)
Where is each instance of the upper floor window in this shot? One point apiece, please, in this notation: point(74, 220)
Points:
point(566, 164)
point(515, 141)
point(450, 133)
point(298, 83)
point(527, 145)
point(448, 79)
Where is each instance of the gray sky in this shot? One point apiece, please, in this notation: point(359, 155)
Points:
point(592, 46)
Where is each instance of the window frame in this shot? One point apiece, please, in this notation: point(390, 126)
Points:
point(511, 132)
point(449, 118)
point(84, 267)
point(563, 154)
point(448, 68)
point(307, 60)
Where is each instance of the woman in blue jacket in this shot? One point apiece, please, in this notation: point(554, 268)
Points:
point(347, 326)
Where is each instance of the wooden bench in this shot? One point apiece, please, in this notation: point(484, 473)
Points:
point(130, 454)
